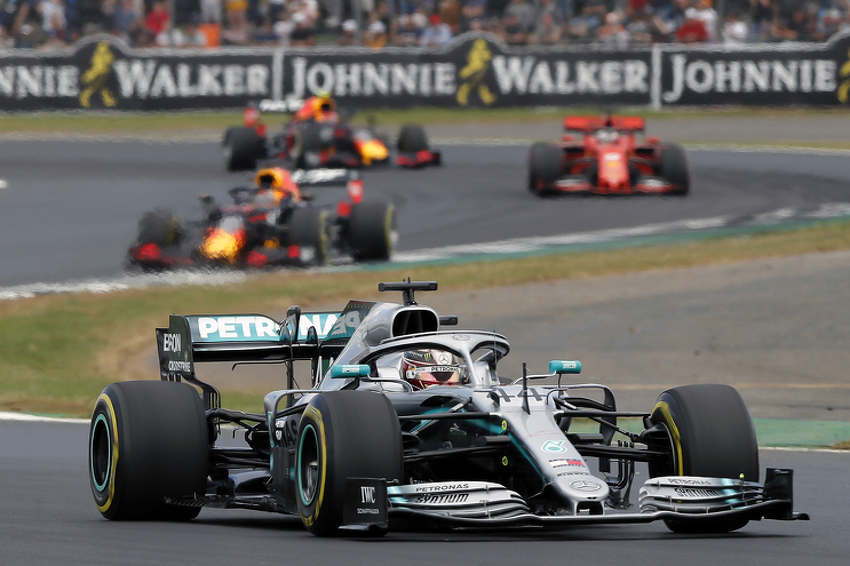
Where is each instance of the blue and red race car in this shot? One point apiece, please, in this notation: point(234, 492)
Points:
point(318, 136)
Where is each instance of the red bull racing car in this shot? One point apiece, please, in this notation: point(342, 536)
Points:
point(611, 158)
point(389, 416)
point(317, 135)
point(272, 223)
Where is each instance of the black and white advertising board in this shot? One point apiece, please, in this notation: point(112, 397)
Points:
point(101, 73)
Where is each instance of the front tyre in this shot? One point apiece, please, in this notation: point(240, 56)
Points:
point(712, 435)
point(412, 139)
point(242, 148)
point(372, 231)
point(674, 168)
point(148, 441)
point(342, 434)
point(544, 166)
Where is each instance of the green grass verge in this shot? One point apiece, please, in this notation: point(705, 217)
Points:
point(186, 123)
point(57, 352)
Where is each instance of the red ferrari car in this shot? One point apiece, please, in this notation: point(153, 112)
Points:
point(613, 157)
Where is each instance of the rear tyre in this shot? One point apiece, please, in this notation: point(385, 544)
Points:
point(674, 168)
point(712, 435)
point(308, 229)
point(159, 227)
point(148, 441)
point(544, 166)
point(242, 148)
point(342, 434)
point(412, 139)
point(372, 231)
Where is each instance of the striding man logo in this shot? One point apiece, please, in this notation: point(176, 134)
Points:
point(844, 87)
point(472, 75)
point(95, 78)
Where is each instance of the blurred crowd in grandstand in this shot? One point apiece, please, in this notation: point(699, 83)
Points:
point(56, 24)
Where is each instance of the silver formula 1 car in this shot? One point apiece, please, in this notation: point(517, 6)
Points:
point(406, 422)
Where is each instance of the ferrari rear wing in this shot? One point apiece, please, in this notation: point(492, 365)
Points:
point(589, 124)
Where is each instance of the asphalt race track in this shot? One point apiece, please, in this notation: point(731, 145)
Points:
point(69, 210)
point(48, 517)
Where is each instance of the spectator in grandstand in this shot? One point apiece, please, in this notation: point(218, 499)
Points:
point(693, 29)
point(436, 34)
point(612, 33)
point(583, 26)
point(187, 36)
point(671, 16)
point(6, 42)
point(211, 11)
point(550, 23)
point(735, 30)
point(53, 22)
point(123, 20)
point(450, 12)
point(761, 18)
point(375, 35)
point(472, 10)
point(309, 8)
point(407, 32)
point(236, 31)
point(158, 18)
point(283, 27)
point(705, 12)
point(829, 23)
point(265, 35)
point(524, 13)
point(642, 29)
point(16, 14)
point(304, 34)
point(512, 31)
point(548, 31)
point(348, 33)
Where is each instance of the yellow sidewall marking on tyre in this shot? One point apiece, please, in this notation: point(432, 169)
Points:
point(322, 472)
point(113, 464)
point(677, 437)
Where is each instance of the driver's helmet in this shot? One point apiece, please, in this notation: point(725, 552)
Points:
point(608, 135)
point(277, 182)
point(324, 108)
point(424, 368)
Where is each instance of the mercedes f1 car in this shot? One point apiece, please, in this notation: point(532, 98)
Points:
point(396, 419)
point(609, 159)
point(270, 224)
point(319, 136)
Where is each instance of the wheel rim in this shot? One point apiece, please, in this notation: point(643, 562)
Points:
point(101, 453)
point(308, 465)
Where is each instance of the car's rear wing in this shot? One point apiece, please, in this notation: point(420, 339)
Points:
point(246, 338)
point(253, 338)
point(589, 124)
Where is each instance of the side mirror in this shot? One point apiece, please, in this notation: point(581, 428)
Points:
point(348, 371)
point(560, 367)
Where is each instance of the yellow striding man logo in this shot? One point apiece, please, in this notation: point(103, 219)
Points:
point(844, 88)
point(95, 78)
point(477, 62)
